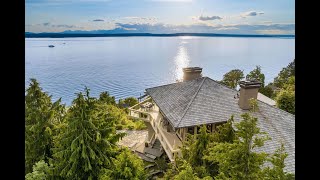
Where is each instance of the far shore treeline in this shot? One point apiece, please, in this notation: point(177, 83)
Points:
point(80, 141)
point(92, 34)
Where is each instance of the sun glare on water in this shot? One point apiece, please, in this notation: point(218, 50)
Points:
point(181, 60)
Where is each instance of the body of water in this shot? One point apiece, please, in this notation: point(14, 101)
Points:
point(125, 66)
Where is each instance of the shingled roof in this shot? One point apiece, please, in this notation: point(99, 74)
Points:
point(204, 101)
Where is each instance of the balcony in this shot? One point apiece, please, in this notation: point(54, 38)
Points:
point(169, 140)
point(139, 112)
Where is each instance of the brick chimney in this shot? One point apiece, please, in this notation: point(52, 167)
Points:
point(190, 73)
point(248, 89)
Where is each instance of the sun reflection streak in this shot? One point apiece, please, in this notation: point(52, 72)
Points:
point(181, 61)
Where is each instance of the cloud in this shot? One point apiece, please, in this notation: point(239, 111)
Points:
point(209, 18)
point(97, 20)
point(49, 27)
point(204, 28)
point(226, 28)
point(251, 13)
point(267, 22)
point(275, 31)
point(64, 26)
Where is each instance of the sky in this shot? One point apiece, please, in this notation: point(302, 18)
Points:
point(162, 16)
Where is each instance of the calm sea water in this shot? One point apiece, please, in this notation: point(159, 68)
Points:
point(125, 66)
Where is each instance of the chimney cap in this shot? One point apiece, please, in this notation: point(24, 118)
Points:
point(192, 69)
point(250, 84)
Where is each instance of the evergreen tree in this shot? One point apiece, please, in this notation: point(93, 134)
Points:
point(277, 171)
point(284, 75)
point(238, 160)
point(41, 115)
point(88, 142)
point(267, 91)
point(232, 78)
point(127, 102)
point(286, 100)
point(256, 74)
point(41, 171)
point(106, 98)
point(225, 132)
point(126, 166)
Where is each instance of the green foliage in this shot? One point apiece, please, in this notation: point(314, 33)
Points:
point(253, 105)
point(41, 115)
point(225, 132)
point(285, 80)
point(232, 78)
point(126, 166)
point(290, 85)
point(284, 75)
point(256, 74)
point(122, 120)
point(186, 173)
point(128, 102)
point(106, 98)
point(162, 164)
point(41, 171)
point(88, 142)
point(286, 100)
point(139, 125)
point(237, 160)
point(267, 91)
point(195, 146)
point(277, 171)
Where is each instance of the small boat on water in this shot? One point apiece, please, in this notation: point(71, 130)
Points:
point(51, 46)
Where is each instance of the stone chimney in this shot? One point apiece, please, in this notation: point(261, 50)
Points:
point(190, 73)
point(248, 90)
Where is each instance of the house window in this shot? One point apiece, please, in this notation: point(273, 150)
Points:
point(191, 130)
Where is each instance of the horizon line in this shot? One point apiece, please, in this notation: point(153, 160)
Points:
point(64, 34)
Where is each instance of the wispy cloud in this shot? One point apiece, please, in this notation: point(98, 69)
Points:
point(251, 13)
point(209, 18)
point(97, 20)
point(49, 27)
point(64, 26)
point(275, 31)
point(204, 28)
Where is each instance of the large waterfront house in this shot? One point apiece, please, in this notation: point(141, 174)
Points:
point(171, 111)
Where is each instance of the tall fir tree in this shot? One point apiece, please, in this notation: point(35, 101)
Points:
point(88, 142)
point(41, 115)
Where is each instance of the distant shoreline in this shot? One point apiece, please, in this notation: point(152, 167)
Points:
point(66, 35)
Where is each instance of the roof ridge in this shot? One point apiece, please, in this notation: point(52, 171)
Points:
point(222, 84)
point(194, 96)
point(172, 83)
